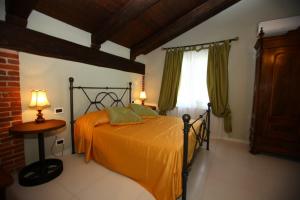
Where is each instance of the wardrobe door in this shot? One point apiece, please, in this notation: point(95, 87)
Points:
point(281, 94)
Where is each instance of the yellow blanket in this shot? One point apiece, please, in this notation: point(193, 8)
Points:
point(150, 153)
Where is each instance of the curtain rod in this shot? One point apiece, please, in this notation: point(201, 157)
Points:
point(194, 45)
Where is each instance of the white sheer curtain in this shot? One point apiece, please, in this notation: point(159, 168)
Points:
point(192, 95)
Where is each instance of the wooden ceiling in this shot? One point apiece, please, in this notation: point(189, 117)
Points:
point(141, 25)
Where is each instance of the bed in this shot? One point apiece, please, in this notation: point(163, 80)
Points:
point(157, 153)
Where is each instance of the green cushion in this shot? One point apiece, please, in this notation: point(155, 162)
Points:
point(123, 116)
point(143, 111)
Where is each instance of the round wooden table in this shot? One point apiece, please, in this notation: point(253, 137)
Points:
point(43, 170)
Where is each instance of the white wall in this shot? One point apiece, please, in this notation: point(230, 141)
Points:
point(38, 72)
point(239, 20)
point(279, 26)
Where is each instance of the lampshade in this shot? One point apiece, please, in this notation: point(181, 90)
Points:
point(39, 99)
point(143, 95)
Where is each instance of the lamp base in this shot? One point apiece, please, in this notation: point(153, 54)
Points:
point(40, 118)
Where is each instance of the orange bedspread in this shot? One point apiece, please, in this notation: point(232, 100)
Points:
point(149, 153)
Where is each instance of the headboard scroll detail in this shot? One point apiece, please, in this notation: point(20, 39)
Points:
point(104, 94)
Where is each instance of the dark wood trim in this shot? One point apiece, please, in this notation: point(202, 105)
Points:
point(26, 40)
point(18, 11)
point(130, 11)
point(181, 25)
point(13, 19)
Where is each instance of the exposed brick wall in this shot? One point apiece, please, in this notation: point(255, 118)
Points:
point(11, 147)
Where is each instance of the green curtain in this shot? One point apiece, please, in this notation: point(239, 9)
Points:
point(217, 82)
point(170, 80)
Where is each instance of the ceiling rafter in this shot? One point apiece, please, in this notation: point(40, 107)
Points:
point(22, 39)
point(181, 25)
point(17, 12)
point(130, 11)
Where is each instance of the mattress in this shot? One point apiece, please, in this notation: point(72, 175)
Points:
point(150, 153)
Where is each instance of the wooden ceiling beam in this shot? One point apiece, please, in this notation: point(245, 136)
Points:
point(130, 11)
point(26, 40)
point(181, 25)
point(17, 12)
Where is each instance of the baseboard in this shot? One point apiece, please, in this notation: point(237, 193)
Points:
point(231, 139)
point(68, 151)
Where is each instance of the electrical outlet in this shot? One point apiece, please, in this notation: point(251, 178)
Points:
point(58, 110)
point(60, 141)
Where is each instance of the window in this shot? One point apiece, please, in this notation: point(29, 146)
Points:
point(192, 94)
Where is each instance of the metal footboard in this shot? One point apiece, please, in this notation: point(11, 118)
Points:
point(202, 135)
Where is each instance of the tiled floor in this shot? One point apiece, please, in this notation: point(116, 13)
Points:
point(226, 172)
point(235, 174)
point(82, 181)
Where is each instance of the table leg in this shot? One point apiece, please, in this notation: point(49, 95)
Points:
point(41, 171)
point(41, 146)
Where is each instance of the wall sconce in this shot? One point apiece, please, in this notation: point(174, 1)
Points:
point(39, 101)
point(143, 96)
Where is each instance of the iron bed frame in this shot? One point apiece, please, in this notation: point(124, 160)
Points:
point(202, 134)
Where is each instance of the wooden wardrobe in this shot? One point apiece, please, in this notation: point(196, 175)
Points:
point(275, 123)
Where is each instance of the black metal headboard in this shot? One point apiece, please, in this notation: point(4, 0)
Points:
point(104, 93)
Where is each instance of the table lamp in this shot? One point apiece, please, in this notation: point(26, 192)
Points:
point(143, 96)
point(39, 101)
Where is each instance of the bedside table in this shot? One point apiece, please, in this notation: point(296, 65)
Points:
point(43, 170)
